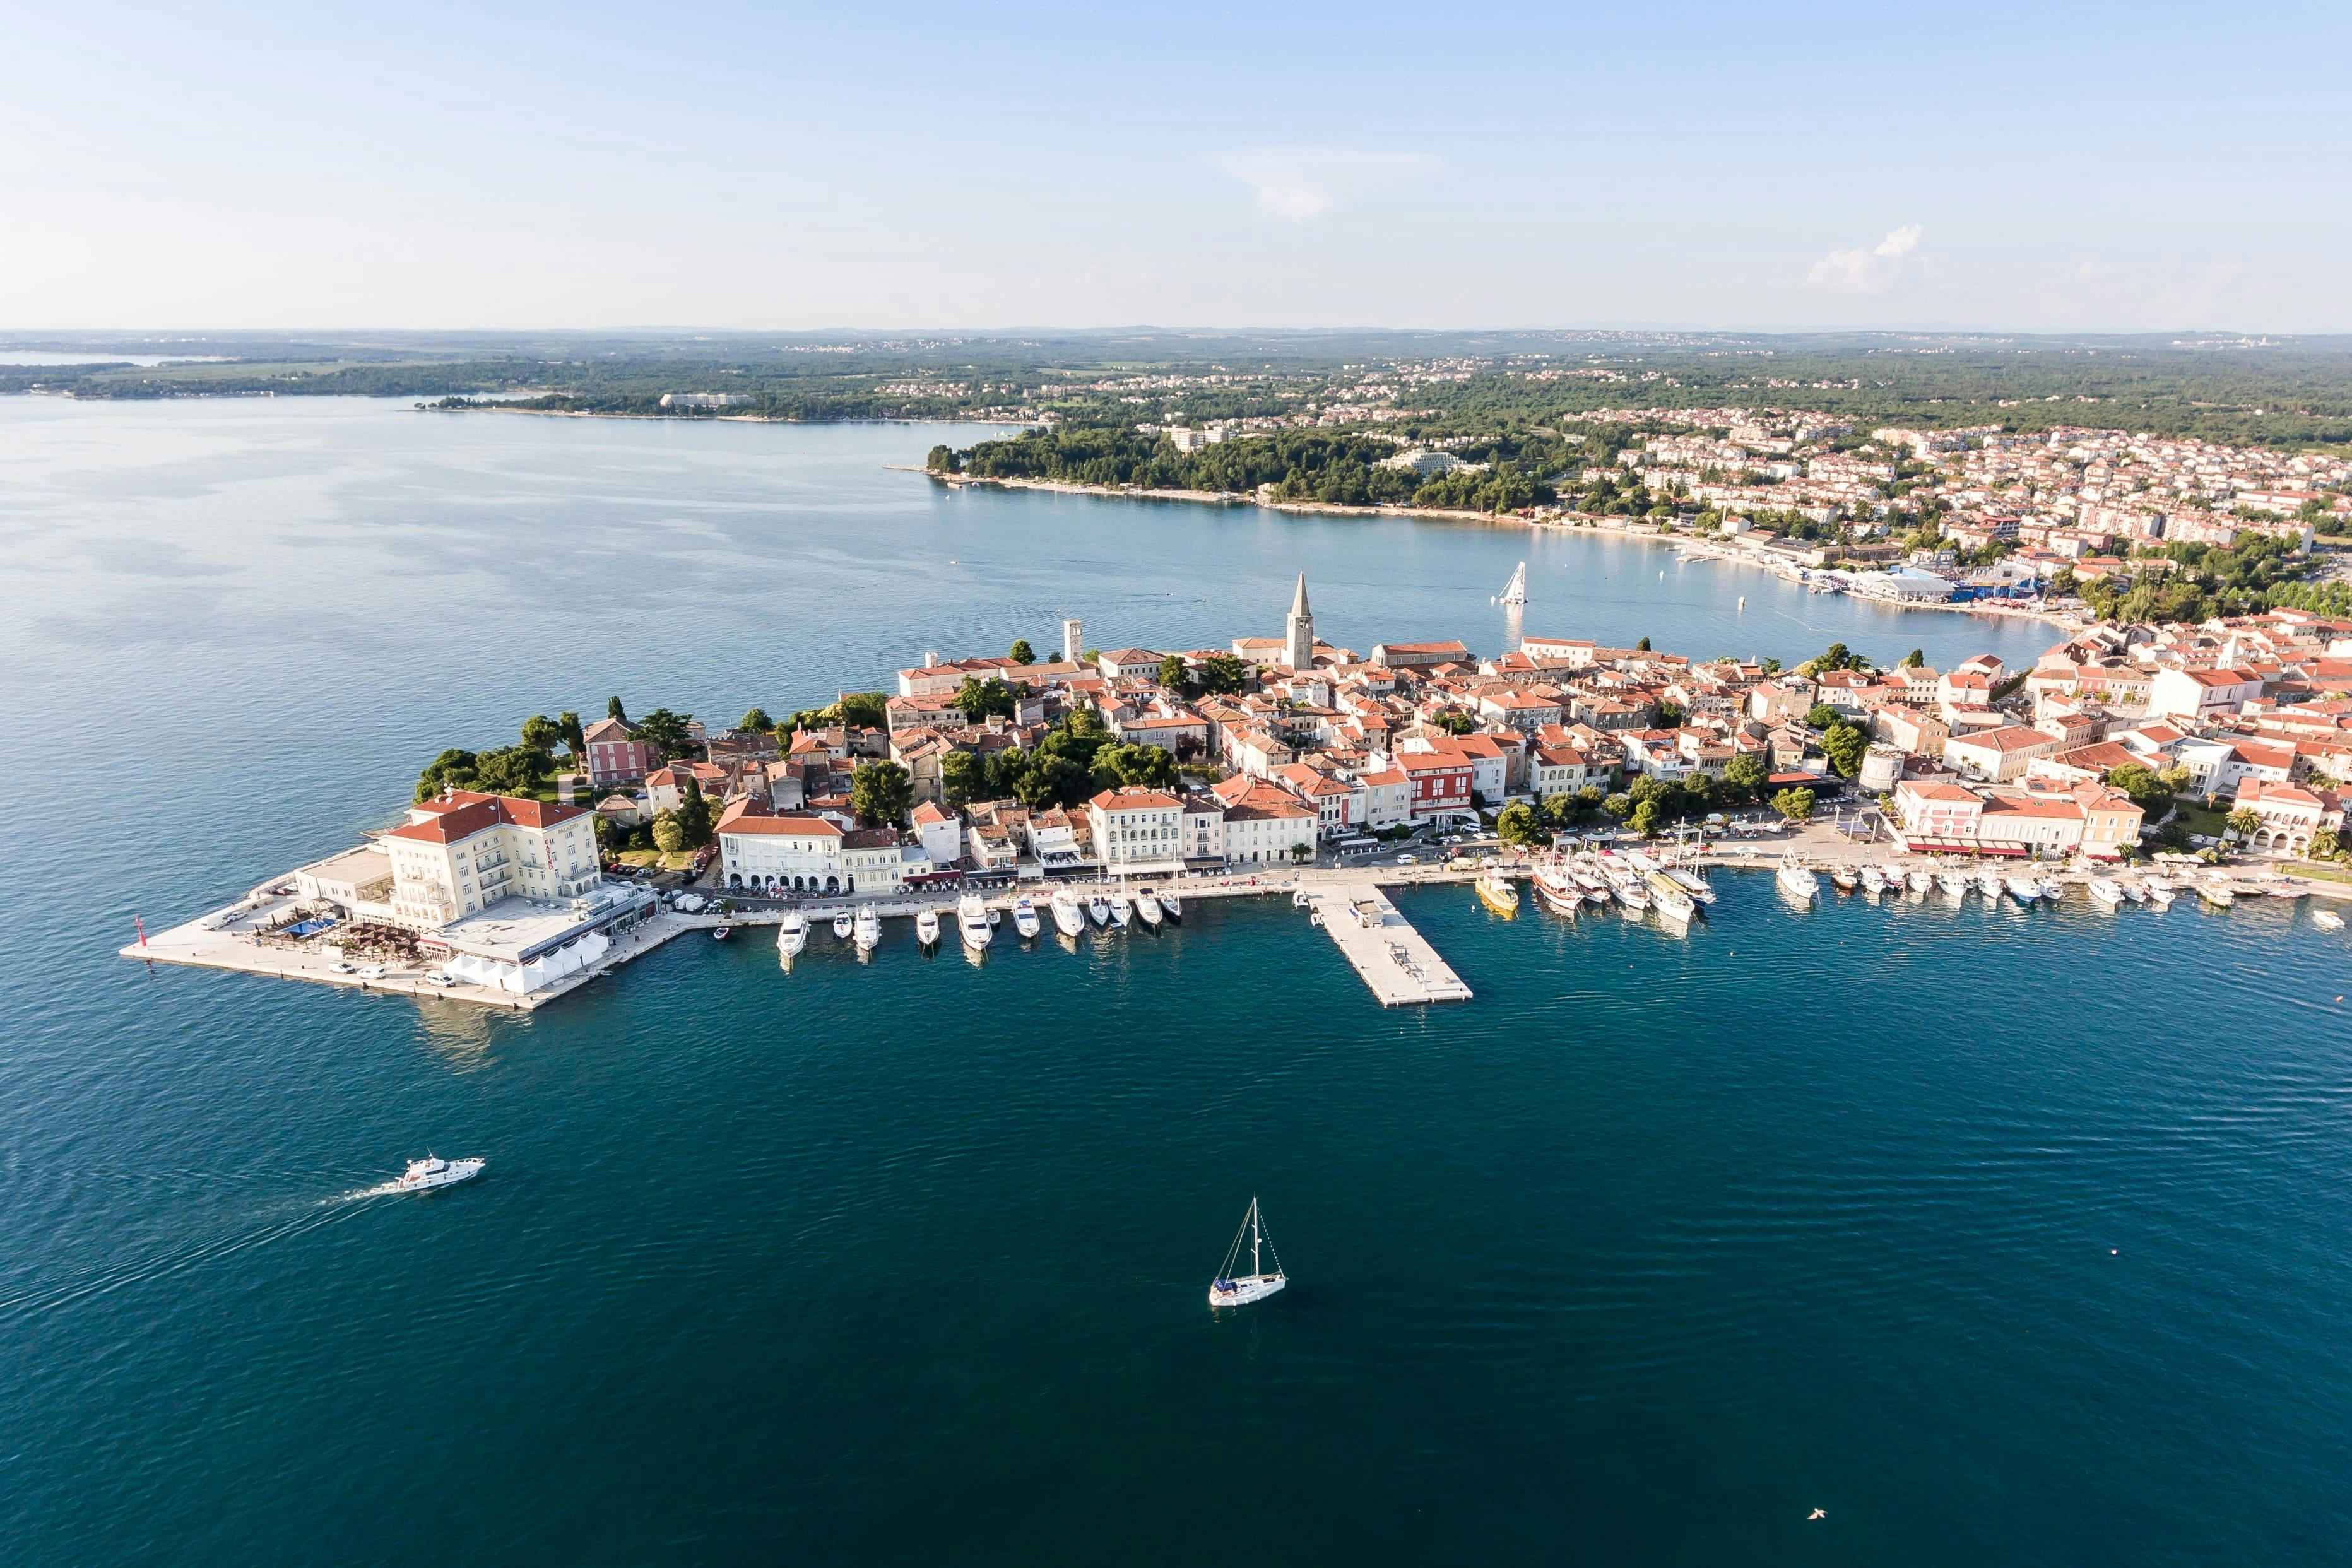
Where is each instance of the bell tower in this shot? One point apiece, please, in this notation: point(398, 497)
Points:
point(1299, 632)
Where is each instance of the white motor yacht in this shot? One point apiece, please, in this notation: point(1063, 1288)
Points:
point(1024, 918)
point(2105, 890)
point(791, 936)
point(1099, 910)
point(2133, 893)
point(2021, 888)
point(1069, 916)
point(1797, 881)
point(842, 925)
point(1232, 1290)
point(1147, 906)
point(1172, 905)
point(432, 1171)
point(2051, 888)
point(926, 927)
point(972, 920)
point(867, 929)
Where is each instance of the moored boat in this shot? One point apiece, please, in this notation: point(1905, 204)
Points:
point(721, 933)
point(1122, 909)
point(1024, 918)
point(1172, 905)
point(926, 927)
point(842, 925)
point(1147, 907)
point(1671, 899)
point(1497, 892)
point(2133, 891)
point(1845, 878)
point(1797, 881)
point(2160, 892)
point(1069, 916)
point(2106, 890)
point(1952, 882)
point(2220, 895)
point(971, 922)
point(1989, 884)
point(1919, 881)
point(2021, 888)
point(1874, 880)
point(2050, 889)
point(1692, 883)
point(867, 930)
point(1099, 910)
point(791, 936)
point(1556, 891)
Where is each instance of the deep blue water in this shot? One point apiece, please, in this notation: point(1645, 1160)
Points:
point(2001, 1235)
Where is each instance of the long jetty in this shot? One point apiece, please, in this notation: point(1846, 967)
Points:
point(1395, 960)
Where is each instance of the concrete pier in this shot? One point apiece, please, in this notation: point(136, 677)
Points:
point(1395, 960)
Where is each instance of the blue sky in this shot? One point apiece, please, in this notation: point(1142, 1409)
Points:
point(2034, 168)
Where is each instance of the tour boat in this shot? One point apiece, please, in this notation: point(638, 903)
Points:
point(1147, 907)
point(1874, 880)
point(926, 927)
point(2108, 891)
point(1671, 899)
point(972, 920)
point(2220, 895)
point(1024, 918)
point(1596, 889)
point(1122, 909)
point(1099, 910)
point(791, 936)
point(867, 929)
point(2160, 892)
point(1989, 884)
point(1069, 916)
point(1953, 883)
point(721, 933)
point(1845, 878)
point(432, 1171)
point(1919, 881)
point(842, 925)
point(2021, 888)
point(2328, 920)
point(1698, 886)
point(1232, 1289)
point(1172, 906)
point(1497, 892)
point(1797, 881)
point(1556, 891)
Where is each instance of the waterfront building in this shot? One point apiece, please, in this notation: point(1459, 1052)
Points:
point(615, 755)
point(2290, 815)
point(940, 832)
point(462, 852)
point(1999, 755)
point(1265, 823)
point(1138, 831)
point(761, 852)
point(1202, 830)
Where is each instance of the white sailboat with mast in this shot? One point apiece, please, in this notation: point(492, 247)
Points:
point(1232, 1289)
point(1515, 592)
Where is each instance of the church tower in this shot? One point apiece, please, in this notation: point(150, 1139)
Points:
point(1299, 633)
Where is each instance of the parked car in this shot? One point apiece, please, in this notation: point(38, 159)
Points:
point(339, 968)
point(1408, 860)
point(373, 972)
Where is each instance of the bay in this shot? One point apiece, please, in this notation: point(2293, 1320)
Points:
point(1997, 1234)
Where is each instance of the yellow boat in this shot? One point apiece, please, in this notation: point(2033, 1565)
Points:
point(1498, 893)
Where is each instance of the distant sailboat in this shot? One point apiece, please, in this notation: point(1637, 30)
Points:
point(1515, 592)
point(1231, 1290)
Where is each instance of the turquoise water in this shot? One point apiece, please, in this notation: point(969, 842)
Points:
point(2002, 1235)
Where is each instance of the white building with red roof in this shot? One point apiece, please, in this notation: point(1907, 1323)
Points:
point(763, 853)
point(1138, 831)
point(463, 851)
point(2290, 815)
point(1265, 823)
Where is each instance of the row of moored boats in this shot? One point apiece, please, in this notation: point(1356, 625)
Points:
point(1960, 882)
point(1591, 880)
point(976, 923)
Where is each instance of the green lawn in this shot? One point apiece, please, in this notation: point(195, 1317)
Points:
point(2203, 819)
point(2318, 873)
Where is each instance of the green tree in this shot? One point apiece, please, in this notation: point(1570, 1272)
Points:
point(613, 709)
point(978, 700)
point(1620, 805)
point(668, 836)
point(693, 814)
point(666, 732)
point(942, 460)
point(1644, 818)
point(1797, 805)
point(862, 710)
point(2147, 791)
point(541, 733)
point(1453, 723)
point(1915, 659)
point(574, 740)
point(1223, 674)
point(452, 769)
point(1175, 675)
point(2326, 845)
point(755, 722)
point(1845, 744)
point(1135, 767)
point(1021, 652)
point(1746, 774)
point(1770, 666)
point(1052, 779)
point(1518, 825)
point(511, 770)
point(1821, 716)
point(1642, 646)
point(963, 778)
point(881, 794)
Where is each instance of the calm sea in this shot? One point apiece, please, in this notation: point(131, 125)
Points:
point(2002, 1236)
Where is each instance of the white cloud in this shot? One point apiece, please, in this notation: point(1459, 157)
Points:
point(1871, 271)
point(1302, 183)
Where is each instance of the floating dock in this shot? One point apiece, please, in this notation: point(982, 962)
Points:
point(1397, 961)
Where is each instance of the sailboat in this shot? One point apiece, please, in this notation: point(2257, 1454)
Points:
point(1232, 1289)
point(1515, 592)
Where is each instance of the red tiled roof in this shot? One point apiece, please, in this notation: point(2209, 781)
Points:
point(466, 812)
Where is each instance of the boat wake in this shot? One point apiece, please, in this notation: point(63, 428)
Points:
point(115, 1276)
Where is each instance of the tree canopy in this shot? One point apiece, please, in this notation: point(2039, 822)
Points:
point(881, 793)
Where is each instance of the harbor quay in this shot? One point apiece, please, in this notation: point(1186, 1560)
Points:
point(2204, 759)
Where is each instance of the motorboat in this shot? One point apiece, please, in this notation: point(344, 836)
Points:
point(1919, 881)
point(1845, 878)
point(866, 929)
point(1122, 909)
point(2052, 889)
point(1556, 891)
point(1099, 910)
point(1172, 906)
point(1896, 879)
point(718, 934)
point(1230, 1289)
point(1147, 907)
point(2220, 895)
point(1989, 884)
point(995, 915)
point(972, 921)
point(926, 927)
point(1069, 914)
point(2328, 920)
point(2021, 888)
point(2133, 891)
point(1497, 892)
point(432, 1171)
point(2160, 892)
point(1952, 882)
point(842, 925)
point(1593, 885)
point(1024, 918)
point(1874, 880)
point(2108, 891)
point(791, 936)
point(1797, 881)
point(1671, 899)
